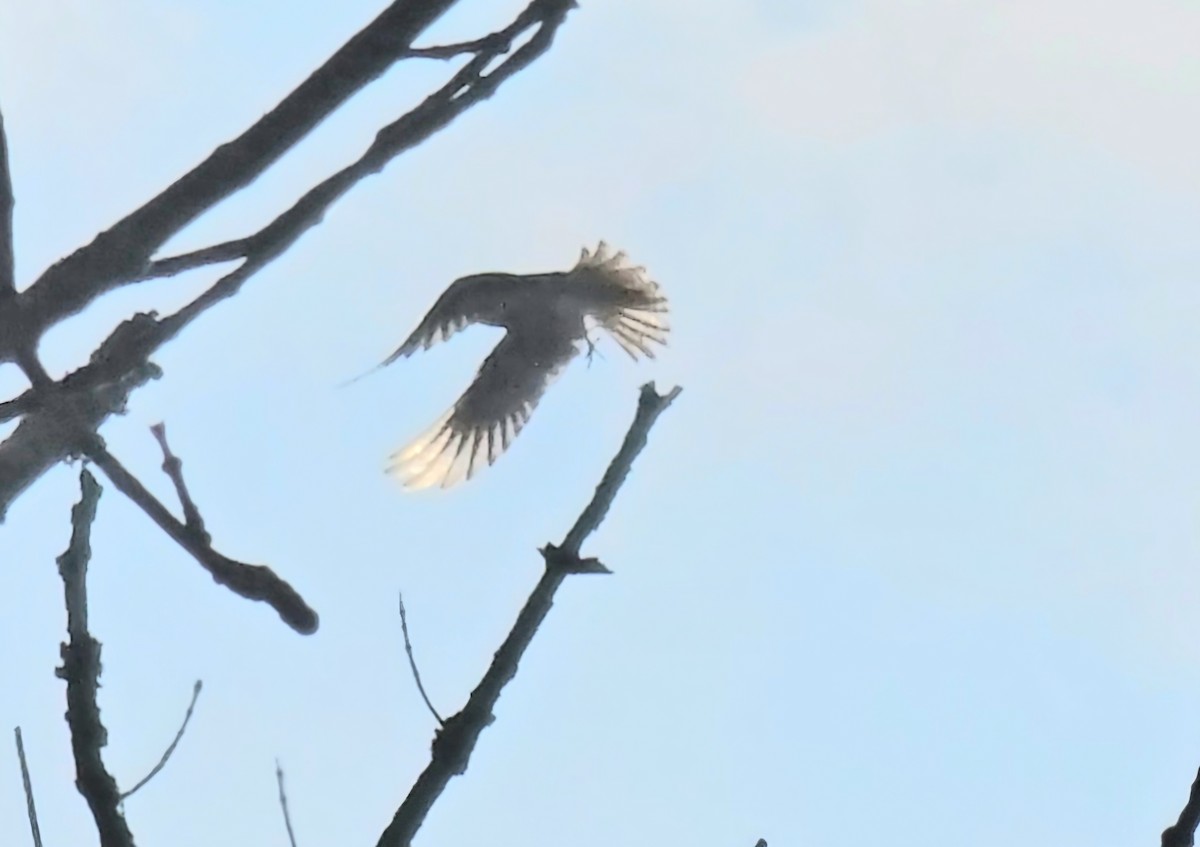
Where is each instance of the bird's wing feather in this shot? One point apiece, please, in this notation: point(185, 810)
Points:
point(465, 302)
point(488, 416)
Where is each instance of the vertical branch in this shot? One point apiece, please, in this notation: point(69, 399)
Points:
point(81, 671)
point(8, 273)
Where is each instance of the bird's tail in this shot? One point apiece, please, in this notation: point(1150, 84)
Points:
point(626, 302)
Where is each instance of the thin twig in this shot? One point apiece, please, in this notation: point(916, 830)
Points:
point(1182, 833)
point(173, 467)
point(412, 663)
point(500, 40)
point(30, 808)
point(8, 271)
point(227, 251)
point(287, 818)
point(254, 582)
point(81, 671)
point(162, 762)
point(454, 744)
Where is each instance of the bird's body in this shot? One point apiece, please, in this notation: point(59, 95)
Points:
point(545, 317)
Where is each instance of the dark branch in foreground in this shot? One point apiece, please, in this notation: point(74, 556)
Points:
point(1182, 833)
point(81, 671)
point(254, 582)
point(453, 745)
point(412, 663)
point(30, 808)
point(287, 818)
point(122, 253)
point(162, 762)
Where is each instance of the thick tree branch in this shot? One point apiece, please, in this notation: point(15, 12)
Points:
point(81, 671)
point(60, 415)
point(122, 254)
point(1182, 833)
point(28, 453)
point(119, 253)
point(454, 743)
point(254, 582)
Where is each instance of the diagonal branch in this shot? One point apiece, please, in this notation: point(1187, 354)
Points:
point(254, 582)
point(122, 253)
point(30, 807)
point(1182, 833)
point(122, 360)
point(453, 745)
point(119, 252)
point(166, 756)
point(81, 671)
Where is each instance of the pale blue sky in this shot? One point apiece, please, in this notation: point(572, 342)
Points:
point(915, 554)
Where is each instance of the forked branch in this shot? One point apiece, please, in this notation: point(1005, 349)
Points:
point(454, 743)
point(254, 582)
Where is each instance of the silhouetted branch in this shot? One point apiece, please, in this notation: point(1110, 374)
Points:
point(454, 743)
point(227, 251)
point(123, 253)
point(118, 254)
point(283, 804)
point(30, 808)
point(8, 273)
point(500, 41)
point(254, 582)
point(173, 467)
point(81, 671)
point(412, 663)
point(1182, 833)
point(162, 762)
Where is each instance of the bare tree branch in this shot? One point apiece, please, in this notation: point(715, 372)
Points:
point(227, 251)
point(283, 804)
point(412, 663)
point(122, 253)
point(1182, 833)
point(124, 356)
point(453, 745)
point(162, 762)
point(30, 808)
point(8, 271)
point(254, 582)
point(173, 467)
point(81, 671)
point(119, 253)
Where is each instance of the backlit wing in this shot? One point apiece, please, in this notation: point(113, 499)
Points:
point(488, 416)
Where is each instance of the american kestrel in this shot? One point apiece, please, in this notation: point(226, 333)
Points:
point(544, 315)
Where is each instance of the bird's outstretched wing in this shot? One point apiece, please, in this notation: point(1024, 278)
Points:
point(488, 416)
point(468, 300)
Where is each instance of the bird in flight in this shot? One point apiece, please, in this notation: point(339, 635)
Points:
point(546, 316)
